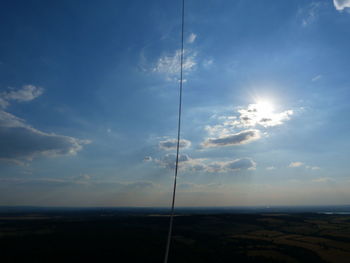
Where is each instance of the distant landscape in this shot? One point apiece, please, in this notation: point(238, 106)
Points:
point(275, 234)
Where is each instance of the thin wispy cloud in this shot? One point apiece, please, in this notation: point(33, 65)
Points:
point(316, 78)
point(310, 13)
point(323, 180)
point(169, 65)
point(78, 181)
point(207, 63)
point(191, 38)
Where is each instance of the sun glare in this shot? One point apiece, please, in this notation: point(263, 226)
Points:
point(264, 108)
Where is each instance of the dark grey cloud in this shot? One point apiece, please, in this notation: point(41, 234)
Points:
point(239, 138)
point(171, 144)
point(240, 164)
point(19, 141)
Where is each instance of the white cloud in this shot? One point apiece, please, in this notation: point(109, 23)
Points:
point(239, 138)
point(270, 168)
point(26, 93)
point(191, 38)
point(295, 164)
point(169, 65)
point(341, 4)
point(263, 115)
point(171, 144)
point(254, 115)
point(301, 164)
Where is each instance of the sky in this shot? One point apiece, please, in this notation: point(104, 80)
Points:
point(89, 103)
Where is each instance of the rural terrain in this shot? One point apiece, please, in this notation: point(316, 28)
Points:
point(122, 236)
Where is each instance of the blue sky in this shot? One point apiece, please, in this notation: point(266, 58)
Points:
point(89, 96)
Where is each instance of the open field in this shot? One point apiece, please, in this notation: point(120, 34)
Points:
point(96, 237)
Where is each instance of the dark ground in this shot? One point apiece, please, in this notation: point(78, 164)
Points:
point(122, 236)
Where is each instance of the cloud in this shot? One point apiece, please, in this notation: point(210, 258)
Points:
point(20, 142)
point(137, 186)
point(300, 164)
point(295, 164)
point(82, 179)
point(26, 93)
point(263, 115)
point(340, 5)
point(203, 165)
point(256, 115)
point(314, 167)
point(316, 78)
point(38, 182)
point(323, 180)
point(171, 144)
point(169, 65)
point(207, 63)
point(310, 13)
point(239, 138)
point(147, 159)
point(169, 160)
point(3, 102)
point(240, 164)
point(223, 166)
point(191, 38)
point(44, 182)
point(270, 168)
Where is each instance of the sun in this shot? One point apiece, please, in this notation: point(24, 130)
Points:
point(264, 108)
